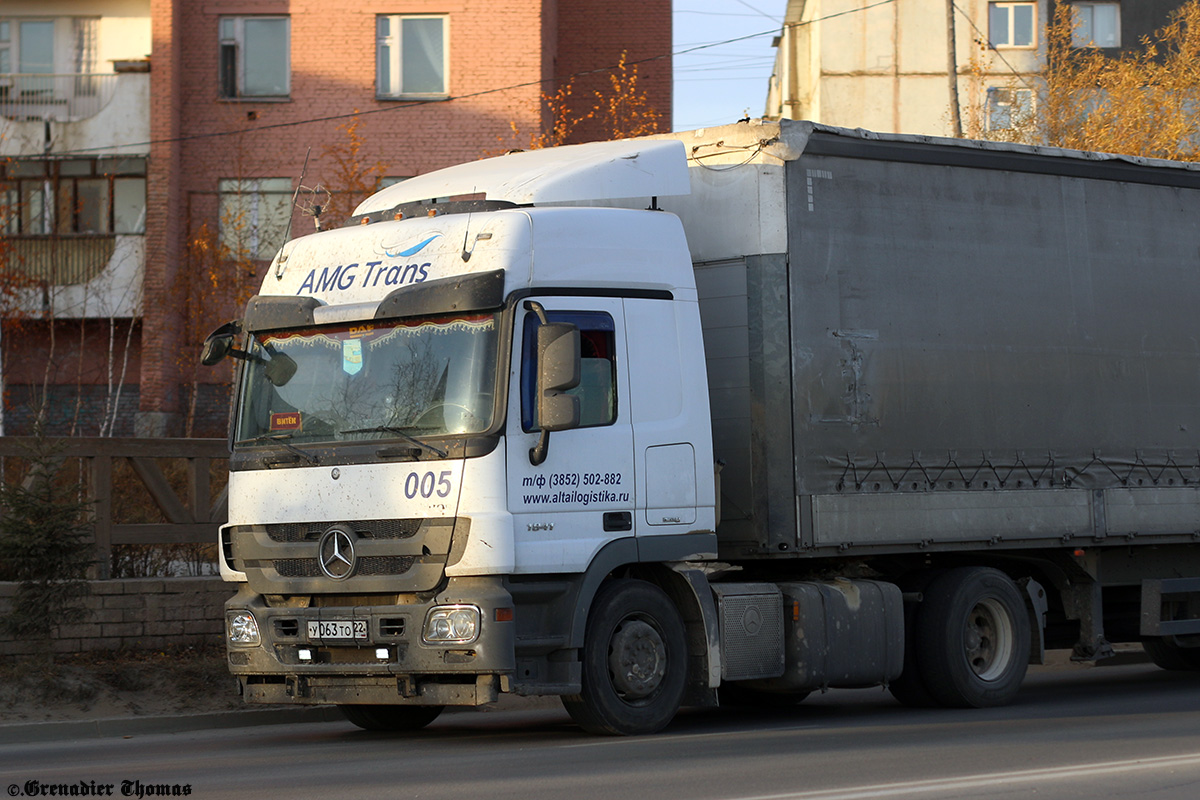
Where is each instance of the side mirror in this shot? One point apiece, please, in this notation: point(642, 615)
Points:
point(278, 369)
point(558, 369)
point(558, 358)
point(219, 344)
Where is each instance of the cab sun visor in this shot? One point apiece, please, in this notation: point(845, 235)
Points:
point(266, 313)
point(474, 292)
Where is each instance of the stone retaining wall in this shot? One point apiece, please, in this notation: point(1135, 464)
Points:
point(137, 614)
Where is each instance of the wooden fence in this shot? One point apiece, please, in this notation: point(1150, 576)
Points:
point(191, 518)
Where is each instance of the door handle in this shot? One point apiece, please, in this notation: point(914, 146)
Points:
point(618, 521)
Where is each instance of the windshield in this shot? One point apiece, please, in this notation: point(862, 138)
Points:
point(430, 376)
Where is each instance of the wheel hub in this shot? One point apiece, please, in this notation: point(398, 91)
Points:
point(637, 659)
point(988, 639)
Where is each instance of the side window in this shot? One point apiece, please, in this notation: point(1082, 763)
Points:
point(597, 389)
point(255, 57)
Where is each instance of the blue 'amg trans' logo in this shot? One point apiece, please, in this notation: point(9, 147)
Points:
point(370, 274)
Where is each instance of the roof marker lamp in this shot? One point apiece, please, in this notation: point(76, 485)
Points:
point(242, 628)
point(451, 625)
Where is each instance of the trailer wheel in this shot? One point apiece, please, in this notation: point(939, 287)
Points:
point(1168, 655)
point(973, 638)
point(634, 661)
point(390, 718)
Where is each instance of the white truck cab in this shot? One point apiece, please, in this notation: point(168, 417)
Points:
point(446, 397)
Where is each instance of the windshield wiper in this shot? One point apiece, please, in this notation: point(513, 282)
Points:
point(401, 433)
point(280, 438)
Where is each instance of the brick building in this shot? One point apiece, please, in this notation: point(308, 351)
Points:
point(183, 177)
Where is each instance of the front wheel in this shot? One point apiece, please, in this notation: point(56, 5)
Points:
point(634, 661)
point(973, 638)
point(390, 718)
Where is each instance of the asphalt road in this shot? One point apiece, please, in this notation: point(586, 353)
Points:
point(1124, 731)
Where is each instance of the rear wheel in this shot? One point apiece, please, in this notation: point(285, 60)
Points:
point(1168, 655)
point(973, 639)
point(634, 661)
point(390, 718)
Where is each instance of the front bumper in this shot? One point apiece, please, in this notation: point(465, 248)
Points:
point(392, 665)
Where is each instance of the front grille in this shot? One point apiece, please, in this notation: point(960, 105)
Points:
point(371, 565)
point(365, 529)
point(297, 567)
point(384, 565)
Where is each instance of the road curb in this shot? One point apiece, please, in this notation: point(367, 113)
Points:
point(113, 727)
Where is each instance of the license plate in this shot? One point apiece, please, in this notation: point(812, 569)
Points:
point(347, 629)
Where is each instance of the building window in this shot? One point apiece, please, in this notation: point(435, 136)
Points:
point(27, 45)
point(255, 57)
point(1097, 25)
point(75, 196)
point(254, 216)
point(411, 55)
point(65, 45)
point(6, 47)
point(1008, 108)
point(597, 389)
point(1012, 24)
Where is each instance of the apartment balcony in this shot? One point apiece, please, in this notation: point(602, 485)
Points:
point(58, 98)
point(101, 113)
point(75, 276)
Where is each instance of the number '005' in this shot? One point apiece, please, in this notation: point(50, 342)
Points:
point(427, 485)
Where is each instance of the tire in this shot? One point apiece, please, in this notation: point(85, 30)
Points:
point(1168, 655)
point(390, 718)
point(973, 638)
point(634, 661)
point(910, 687)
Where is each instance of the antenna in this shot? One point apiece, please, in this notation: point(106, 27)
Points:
point(313, 207)
point(281, 259)
point(466, 254)
point(287, 233)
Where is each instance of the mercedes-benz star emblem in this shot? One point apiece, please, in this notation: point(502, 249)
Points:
point(335, 554)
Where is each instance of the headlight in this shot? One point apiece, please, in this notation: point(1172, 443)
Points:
point(451, 625)
point(242, 627)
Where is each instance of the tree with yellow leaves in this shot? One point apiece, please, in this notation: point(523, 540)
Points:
point(621, 111)
point(1144, 103)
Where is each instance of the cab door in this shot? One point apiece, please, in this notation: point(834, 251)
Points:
point(582, 495)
